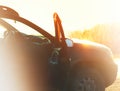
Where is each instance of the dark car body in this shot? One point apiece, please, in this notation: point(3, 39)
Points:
point(94, 55)
point(71, 56)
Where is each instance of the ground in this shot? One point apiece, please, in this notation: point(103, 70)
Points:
point(115, 86)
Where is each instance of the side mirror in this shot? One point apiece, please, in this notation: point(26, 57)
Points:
point(69, 42)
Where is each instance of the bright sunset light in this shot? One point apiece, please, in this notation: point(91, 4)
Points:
point(75, 14)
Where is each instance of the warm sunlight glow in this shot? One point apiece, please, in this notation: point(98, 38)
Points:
point(117, 61)
point(83, 41)
point(86, 43)
point(77, 15)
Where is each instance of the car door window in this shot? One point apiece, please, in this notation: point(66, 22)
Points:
point(27, 31)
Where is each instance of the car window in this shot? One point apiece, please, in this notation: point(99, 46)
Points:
point(21, 27)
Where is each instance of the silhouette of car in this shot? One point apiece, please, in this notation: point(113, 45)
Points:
point(66, 64)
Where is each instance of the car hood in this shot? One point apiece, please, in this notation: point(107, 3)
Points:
point(86, 44)
point(88, 49)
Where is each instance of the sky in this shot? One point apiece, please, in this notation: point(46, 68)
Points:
point(75, 14)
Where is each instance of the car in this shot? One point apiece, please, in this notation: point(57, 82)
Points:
point(55, 62)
